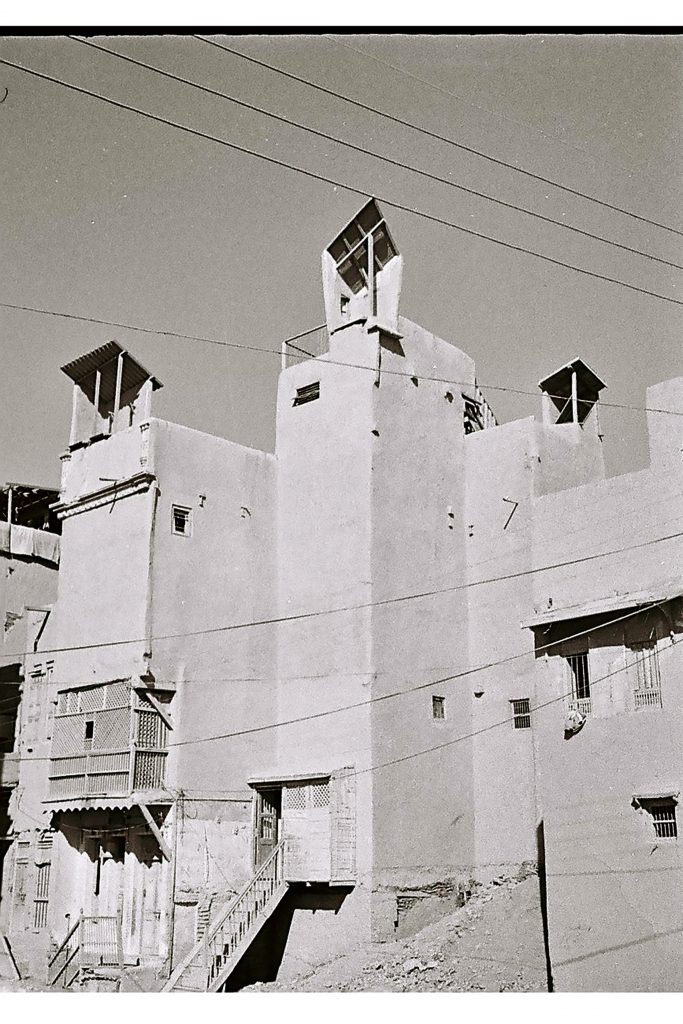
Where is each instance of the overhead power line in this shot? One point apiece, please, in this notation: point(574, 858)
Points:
point(548, 136)
point(363, 605)
point(379, 156)
point(162, 332)
point(436, 135)
point(430, 684)
point(340, 184)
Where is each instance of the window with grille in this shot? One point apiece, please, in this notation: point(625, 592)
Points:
point(40, 904)
point(521, 712)
point(579, 681)
point(320, 794)
point(663, 813)
point(647, 692)
point(439, 708)
point(296, 798)
point(308, 393)
point(89, 733)
point(301, 797)
point(181, 521)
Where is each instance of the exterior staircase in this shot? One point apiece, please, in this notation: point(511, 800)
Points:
point(210, 963)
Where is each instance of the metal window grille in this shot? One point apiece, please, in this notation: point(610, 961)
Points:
point(647, 693)
point(320, 794)
point(439, 707)
point(40, 904)
point(521, 711)
point(296, 798)
point(308, 393)
point(579, 678)
point(663, 814)
point(181, 521)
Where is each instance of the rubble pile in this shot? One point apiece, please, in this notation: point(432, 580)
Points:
point(494, 943)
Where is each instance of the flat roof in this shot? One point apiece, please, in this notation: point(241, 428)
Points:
point(601, 606)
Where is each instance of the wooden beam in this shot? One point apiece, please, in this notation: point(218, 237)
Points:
point(575, 403)
point(159, 707)
point(96, 402)
point(156, 831)
point(10, 956)
point(117, 393)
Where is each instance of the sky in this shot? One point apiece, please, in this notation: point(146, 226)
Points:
point(109, 215)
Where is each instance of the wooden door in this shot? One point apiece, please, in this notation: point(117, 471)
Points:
point(268, 809)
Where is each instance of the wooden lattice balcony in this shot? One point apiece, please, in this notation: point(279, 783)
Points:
point(108, 740)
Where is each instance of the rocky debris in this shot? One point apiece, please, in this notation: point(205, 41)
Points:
point(494, 943)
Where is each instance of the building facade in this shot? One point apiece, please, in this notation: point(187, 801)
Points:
point(287, 689)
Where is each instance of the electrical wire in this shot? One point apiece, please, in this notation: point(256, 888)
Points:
point(512, 247)
point(384, 602)
point(437, 136)
point(379, 156)
point(328, 362)
point(430, 684)
point(543, 133)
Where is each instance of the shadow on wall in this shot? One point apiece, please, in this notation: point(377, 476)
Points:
point(540, 857)
point(262, 960)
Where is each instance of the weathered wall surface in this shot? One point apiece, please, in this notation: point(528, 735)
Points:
point(324, 575)
point(501, 466)
point(614, 907)
point(207, 590)
point(422, 825)
point(615, 914)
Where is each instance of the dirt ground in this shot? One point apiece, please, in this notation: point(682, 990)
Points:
point(494, 943)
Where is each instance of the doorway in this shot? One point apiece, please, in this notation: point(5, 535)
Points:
point(268, 823)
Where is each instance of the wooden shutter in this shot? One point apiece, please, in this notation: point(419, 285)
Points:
point(343, 827)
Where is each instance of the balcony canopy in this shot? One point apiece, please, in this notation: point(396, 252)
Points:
point(349, 250)
point(82, 371)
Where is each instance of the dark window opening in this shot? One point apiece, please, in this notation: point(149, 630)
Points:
point(663, 813)
point(439, 708)
point(181, 521)
point(579, 676)
point(89, 733)
point(308, 393)
point(521, 711)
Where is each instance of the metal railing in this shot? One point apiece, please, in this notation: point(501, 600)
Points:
point(581, 704)
point(309, 347)
point(210, 958)
point(93, 940)
point(651, 698)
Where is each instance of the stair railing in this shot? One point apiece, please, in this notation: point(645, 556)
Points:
point(223, 936)
point(66, 953)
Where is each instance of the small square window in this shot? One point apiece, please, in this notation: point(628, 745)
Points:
point(439, 708)
point(521, 713)
point(309, 393)
point(662, 810)
point(181, 521)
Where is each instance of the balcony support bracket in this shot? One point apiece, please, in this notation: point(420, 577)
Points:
point(161, 710)
point(156, 831)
